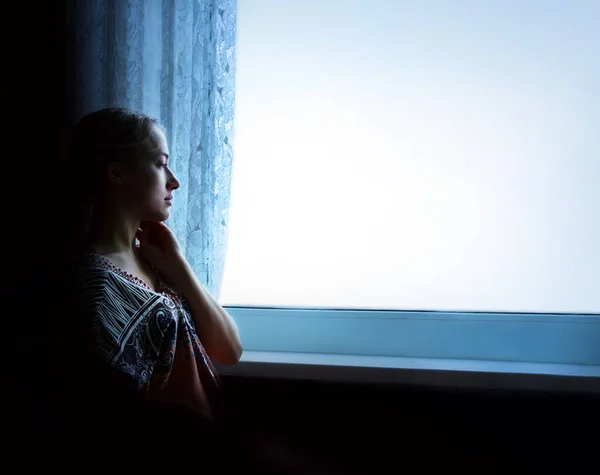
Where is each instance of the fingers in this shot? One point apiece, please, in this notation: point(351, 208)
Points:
point(152, 233)
point(140, 235)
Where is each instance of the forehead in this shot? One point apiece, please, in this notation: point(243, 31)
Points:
point(158, 140)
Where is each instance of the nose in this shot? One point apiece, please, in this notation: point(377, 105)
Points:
point(173, 183)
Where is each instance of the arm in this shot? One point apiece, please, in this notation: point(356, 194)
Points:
point(215, 327)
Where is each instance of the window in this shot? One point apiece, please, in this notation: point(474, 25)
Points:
point(418, 156)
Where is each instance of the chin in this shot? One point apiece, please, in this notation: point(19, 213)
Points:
point(158, 216)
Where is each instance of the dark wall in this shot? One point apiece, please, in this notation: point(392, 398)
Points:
point(353, 428)
point(34, 193)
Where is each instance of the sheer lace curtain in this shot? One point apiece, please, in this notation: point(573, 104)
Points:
point(174, 60)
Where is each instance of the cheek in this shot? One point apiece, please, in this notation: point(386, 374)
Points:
point(140, 189)
point(155, 189)
point(147, 186)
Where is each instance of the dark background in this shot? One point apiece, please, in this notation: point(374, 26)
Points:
point(369, 429)
point(339, 428)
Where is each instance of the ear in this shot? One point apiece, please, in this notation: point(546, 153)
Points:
point(116, 172)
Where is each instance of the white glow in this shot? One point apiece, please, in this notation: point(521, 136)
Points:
point(416, 156)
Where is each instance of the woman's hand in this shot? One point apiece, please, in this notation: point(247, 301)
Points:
point(159, 246)
point(215, 327)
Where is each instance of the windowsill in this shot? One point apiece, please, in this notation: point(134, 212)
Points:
point(467, 374)
point(443, 349)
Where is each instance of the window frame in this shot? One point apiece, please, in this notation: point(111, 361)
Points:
point(458, 349)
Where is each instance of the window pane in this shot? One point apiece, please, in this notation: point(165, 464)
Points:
point(426, 155)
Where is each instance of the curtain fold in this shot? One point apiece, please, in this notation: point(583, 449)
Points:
point(173, 60)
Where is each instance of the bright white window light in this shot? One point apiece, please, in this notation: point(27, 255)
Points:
point(424, 155)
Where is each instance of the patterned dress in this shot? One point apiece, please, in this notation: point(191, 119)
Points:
point(149, 336)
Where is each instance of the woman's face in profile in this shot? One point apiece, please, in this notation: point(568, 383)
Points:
point(147, 190)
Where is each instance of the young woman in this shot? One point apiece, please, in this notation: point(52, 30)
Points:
point(146, 332)
point(145, 313)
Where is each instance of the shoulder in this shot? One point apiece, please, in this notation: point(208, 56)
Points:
point(87, 277)
point(95, 288)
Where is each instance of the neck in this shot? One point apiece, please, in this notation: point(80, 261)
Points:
point(113, 233)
